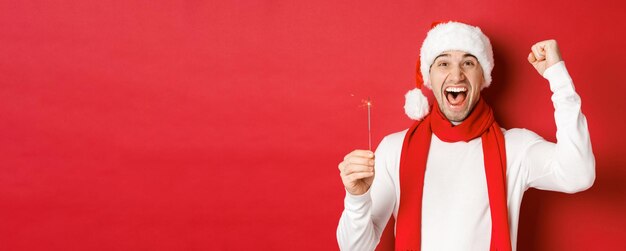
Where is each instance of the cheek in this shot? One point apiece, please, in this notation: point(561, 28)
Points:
point(436, 89)
point(477, 81)
point(477, 77)
point(436, 80)
point(436, 76)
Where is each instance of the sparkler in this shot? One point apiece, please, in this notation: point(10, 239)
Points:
point(368, 103)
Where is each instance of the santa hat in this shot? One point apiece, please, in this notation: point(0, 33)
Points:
point(446, 37)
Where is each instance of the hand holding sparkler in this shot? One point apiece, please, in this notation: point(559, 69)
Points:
point(357, 171)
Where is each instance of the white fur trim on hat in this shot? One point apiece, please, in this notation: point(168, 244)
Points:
point(456, 36)
point(416, 104)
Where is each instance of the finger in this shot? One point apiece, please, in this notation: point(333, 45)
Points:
point(350, 169)
point(531, 58)
point(553, 53)
point(347, 167)
point(360, 160)
point(550, 44)
point(361, 153)
point(356, 161)
point(538, 51)
point(358, 176)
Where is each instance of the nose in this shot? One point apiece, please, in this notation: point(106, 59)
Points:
point(457, 74)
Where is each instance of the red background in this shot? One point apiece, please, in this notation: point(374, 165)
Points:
point(192, 125)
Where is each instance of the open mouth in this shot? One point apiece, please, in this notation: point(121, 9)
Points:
point(456, 95)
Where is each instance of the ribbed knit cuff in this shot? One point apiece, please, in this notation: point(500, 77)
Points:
point(358, 203)
point(558, 77)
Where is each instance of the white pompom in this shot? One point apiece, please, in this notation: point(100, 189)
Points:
point(416, 104)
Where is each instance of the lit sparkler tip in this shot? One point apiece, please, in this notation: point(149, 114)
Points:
point(366, 102)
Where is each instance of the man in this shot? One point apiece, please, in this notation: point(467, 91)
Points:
point(455, 179)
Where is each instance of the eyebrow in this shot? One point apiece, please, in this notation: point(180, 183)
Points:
point(447, 55)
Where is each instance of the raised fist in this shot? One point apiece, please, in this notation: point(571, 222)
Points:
point(544, 54)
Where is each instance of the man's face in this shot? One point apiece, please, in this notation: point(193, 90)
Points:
point(456, 78)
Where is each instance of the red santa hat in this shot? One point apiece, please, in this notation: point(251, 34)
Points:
point(446, 37)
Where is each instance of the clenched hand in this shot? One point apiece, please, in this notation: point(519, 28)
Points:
point(544, 54)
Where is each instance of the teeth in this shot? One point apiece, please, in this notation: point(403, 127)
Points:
point(456, 89)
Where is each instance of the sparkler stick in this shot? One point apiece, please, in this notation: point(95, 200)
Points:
point(369, 123)
point(368, 103)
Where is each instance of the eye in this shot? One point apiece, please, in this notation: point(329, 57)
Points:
point(442, 64)
point(469, 63)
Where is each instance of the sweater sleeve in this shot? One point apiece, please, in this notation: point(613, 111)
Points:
point(364, 216)
point(569, 165)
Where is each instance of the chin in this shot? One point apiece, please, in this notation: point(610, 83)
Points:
point(456, 117)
